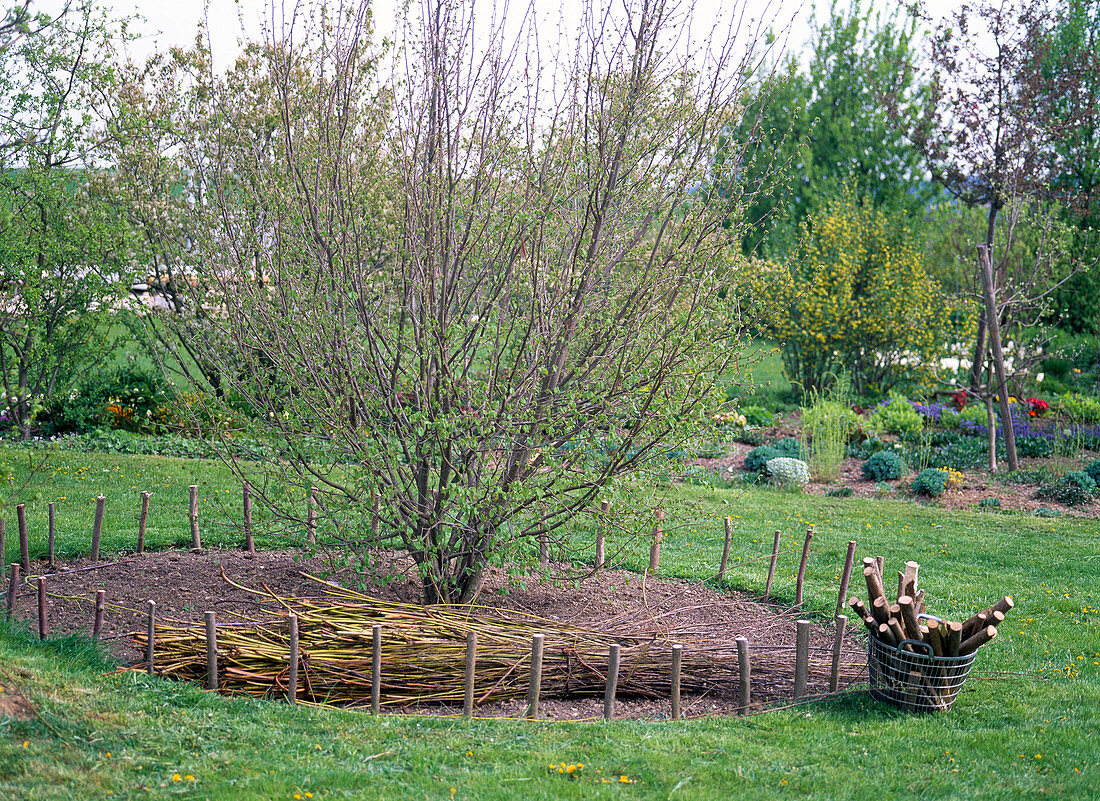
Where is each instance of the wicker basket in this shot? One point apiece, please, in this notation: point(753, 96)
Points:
point(911, 677)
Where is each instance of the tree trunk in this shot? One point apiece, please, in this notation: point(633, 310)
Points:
point(978, 362)
point(992, 321)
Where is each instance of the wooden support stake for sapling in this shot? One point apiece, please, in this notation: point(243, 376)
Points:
point(846, 576)
point(3, 542)
point(43, 613)
point(246, 504)
point(612, 682)
point(211, 652)
point(13, 587)
point(97, 526)
point(471, 674)
point(292, 671)
point(744, 675)
point(544, 549)
point(838, 642)
point(901, 585)
point(376, 514)
point(311, 517)
point(193, 515)
point(143, 518)
point(376, 670)
point(726, 549)
point(100, 613)
point(909, 617)
point(801, 657)
point(655, 547)
point(535, 684)
point(677, 665)
point(24, 542)
point(771, 567)
point(886, 635)
point(150, 636)
point(802, 567)
point(601, 533)
point(49, 538)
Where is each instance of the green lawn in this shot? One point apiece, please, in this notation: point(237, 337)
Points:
point(1026, 726)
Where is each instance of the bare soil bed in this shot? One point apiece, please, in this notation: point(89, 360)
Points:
point(184, 585)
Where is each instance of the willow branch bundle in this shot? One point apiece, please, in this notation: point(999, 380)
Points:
point(423, 655)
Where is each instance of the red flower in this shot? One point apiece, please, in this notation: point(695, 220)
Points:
point(960, 400)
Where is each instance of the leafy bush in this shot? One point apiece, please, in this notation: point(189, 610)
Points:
point(757, 459)
point(1093, 471)
point(974, 413)
point(787, 471)
point(1043, 511)
point(1073, 489)
point(883, 466)
point(1080, 408)
point(130, 398)
point(897, 417)
point(989, 503)
point(840, 492)
point(858, 298)
point(932, 481)
point(1033, 447)
point(867, 448)
point(757, 415)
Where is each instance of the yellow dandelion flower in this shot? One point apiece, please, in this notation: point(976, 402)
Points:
point(176, 777)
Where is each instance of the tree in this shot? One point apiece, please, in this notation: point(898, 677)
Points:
point(816, 135)
point(64, 253)
point(545, 314)
point(987, 133)
point(858, 300)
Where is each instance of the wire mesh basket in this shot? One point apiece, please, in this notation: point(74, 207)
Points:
point(911, 677)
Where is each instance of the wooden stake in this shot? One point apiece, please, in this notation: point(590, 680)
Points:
point(975, 623)
point(193, 515)
point(544, 549)
point(802, 567)
point(211, 652)
point(376, 517)
point(897, 630)
point(725, 549)
point(655, 548)
point(875, 590)
point(376, 670)
point(311, 517)
point(143, 517)
point(880, 563)
point(886, 635)
point(911, 571)
point(601, 534)
point(1004, 606)
point(744, 675)
point(471, 674)
point(935, 638)
point(24, 543)
point(801, 657)
point(838, 643)
point(861, 610)
point(49, 539)
point(954, 638)
point(771, 567)
point(13, 587)
point(292, 672)
point(150, 636)
point(43, 613)
point(97, 526)
point(612, 683)
point(846, 576)
point(973, 642)
point(100, 612)
point(901, 585)
point(3, 541)
point(677, 663)
point(879, 610)
point(246, 503)
point(535, 683)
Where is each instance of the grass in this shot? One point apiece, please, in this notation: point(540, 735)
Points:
point(1027, 724)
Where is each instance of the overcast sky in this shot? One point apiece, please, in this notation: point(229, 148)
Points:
point(175, 22)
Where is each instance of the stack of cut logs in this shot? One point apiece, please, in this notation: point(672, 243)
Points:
point(893, 624)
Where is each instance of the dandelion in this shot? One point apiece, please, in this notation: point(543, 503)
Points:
point(176, 777)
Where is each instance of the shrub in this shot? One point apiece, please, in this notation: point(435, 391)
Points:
point(827, 425)
point(897, 417)
point(840, 492)
point(130, 398)
point(1080, 408)
point(883, 466)
point(1034, 446)
point(757, 415)
point(932, 481)
point(757, 459)
point(787, 471)
point(973, 414)
point(1093, 471)
point(1073, 489)
point(989, 503)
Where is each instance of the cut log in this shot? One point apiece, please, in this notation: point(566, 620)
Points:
point(954, 638)
point(874, 584)
point(1004, 606)
point(886, 635)
point(909, 617)
point(861, 611)
point(935, 638)
point(879, 610)
point(978, 621)
point(896, 629)
point(977, 640)
point(911, 570)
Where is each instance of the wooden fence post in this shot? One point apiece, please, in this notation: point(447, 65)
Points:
point(846, 576)
point(97, 526)
point(143, 518)
point(725, 550)
point(100, 612)
point(612, 682)
point(193, 515)
point(292, 670)
point(43, 613)
point(150, 637)
point(677, 665)
point(211, 652)
point(13, 587)
point(471, 674)
point(744, 675)
point(535, 685)
point(802, 567)
point(838, 642)
point(801, 657)
point(771, 567)
point(24, 543)
point(376, 670)
point(655, 547)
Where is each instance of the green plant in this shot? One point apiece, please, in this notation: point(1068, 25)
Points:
point(131, 398)
point(883, 466)
point(1093, 470)
point(757, 415)
point(1072, 489)
point(757, 458)
point(974, 413)
point(1080, 408)
point(1044, 511)
point(932, 481)
point(787, 471)
point(989, 503)
point(840, 492)
point(827, 426)
point(897, 417)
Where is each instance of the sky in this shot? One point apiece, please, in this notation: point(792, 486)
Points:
point(175, 22)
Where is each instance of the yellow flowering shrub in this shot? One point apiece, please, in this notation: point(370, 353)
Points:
point(859, 300)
